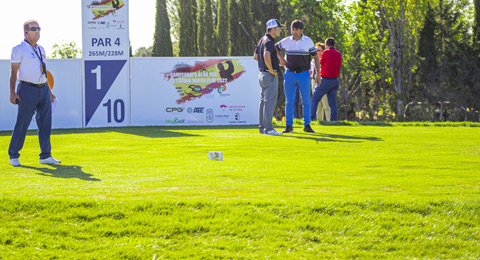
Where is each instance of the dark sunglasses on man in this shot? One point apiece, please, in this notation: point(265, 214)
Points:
point(34, 29)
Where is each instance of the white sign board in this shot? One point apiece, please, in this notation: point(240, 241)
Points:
point(194, 91)
point(67, 86)
point(106, 63)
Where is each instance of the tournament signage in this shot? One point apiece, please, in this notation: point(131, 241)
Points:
point(195, 91)
point(105, 63)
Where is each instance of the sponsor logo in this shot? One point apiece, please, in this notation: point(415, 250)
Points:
point(198, 110)
point(223, 107)
point(175, 121)
point(222, 89)
point(195, 110)
point(195, 121)
point(92, 22)
point(237, 119)
point(210, 116)
point(174, 109)
point(236, 108)
point(103, 8)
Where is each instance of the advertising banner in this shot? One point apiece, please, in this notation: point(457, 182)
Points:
point(105, 63)
point(66, 81)
point(194, 91)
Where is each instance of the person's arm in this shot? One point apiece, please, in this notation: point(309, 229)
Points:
point(268, 62)
point(283, 62)
point(255, 56)
point(52, 96)
point(317, 69)
point(13, 81)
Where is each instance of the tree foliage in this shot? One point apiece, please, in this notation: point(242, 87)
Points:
point(221, 32)
point(67, 50)
point(187, 28)
point(162, 43)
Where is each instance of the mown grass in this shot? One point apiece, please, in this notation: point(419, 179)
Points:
point(344, 192)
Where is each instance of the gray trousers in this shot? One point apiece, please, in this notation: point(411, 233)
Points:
point(32, 99)
point(268, 100)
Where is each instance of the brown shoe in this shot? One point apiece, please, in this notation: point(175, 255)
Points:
point(288, 129)
point(308, 129)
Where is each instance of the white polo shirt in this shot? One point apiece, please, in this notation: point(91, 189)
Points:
point(30, 64)
point(297, 53)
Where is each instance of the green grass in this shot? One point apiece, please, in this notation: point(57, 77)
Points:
point(396, 191)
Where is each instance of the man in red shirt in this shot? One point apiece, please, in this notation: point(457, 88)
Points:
point(330, 62)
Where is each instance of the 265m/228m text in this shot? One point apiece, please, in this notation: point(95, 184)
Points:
point(105, 53)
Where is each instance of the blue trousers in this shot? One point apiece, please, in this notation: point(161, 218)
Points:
point(328, 87)
point(32, 99)
point(296, 112)
point(292, 81)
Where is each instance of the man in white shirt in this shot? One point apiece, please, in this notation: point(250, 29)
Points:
point(299, 49)
point(33, 94)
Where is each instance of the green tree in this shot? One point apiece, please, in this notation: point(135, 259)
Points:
point(244, 46)
point(201, 29)
point(233, 32)
point(210, 39)
point(402, 18)
point(144, 52)
point(187, 42)
point(66, 50)
point(221, 31)
point(162, 43)
point(476, 26)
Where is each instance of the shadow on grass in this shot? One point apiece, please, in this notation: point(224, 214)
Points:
point(320, 137)
point(63, 171)
point(145, 131)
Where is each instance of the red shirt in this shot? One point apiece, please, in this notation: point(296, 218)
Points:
point(331, 62)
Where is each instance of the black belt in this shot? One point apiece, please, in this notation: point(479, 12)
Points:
point(32, 84)
point(296, 71)
point(265, 70)
point(329, 78)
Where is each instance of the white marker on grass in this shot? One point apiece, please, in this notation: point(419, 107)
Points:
point(215, 156)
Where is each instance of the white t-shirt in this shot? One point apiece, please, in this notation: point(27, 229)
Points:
point(30, 65)
point(312, 68)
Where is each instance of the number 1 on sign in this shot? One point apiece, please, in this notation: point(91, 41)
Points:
point(98, 71)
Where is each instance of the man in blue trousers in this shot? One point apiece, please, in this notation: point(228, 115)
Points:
point(298, 50)
point(331, 62)
point(33, 94)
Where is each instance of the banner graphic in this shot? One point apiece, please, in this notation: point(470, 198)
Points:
point(204, 77)
point(106, 63)
point(195, 91)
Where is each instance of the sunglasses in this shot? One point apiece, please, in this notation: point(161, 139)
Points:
point(34, 29)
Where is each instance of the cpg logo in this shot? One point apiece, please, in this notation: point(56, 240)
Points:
point(174, 109)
